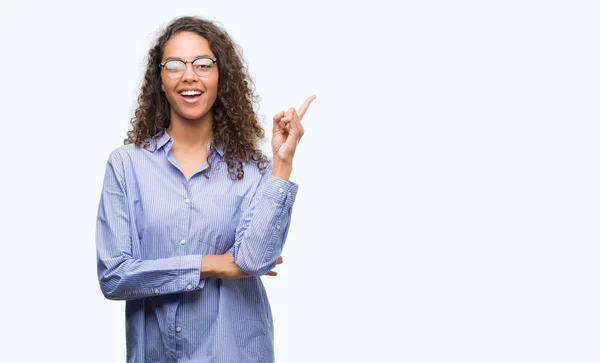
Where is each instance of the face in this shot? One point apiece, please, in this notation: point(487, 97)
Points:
point(191, 96)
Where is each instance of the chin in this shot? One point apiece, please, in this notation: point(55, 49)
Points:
point(187, 112)
point(193, 116)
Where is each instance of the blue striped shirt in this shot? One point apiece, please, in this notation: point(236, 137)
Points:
point(153, 227)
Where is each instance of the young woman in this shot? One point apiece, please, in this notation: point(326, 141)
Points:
point(191, 212)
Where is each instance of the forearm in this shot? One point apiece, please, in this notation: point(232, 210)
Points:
point(129, 279)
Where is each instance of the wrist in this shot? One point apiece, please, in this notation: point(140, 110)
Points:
point(282, 170)
point(208, 266)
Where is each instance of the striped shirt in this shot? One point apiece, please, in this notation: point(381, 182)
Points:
point(153, 227)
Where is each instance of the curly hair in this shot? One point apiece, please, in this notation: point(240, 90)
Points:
point(235, 123)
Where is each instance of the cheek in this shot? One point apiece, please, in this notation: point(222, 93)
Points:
point(212, 85)
point(166, 84)
point(168, 89)
point(215, 82)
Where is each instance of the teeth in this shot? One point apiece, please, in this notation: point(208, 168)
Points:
point(191, 93)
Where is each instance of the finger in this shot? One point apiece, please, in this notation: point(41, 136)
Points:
point(287, 123)
point(271, 273)
point(276, 120)
point(278, 116)
point(289, 117)
point(284, 125)
point(304, 107)
point(295, 124)
point(279, 260)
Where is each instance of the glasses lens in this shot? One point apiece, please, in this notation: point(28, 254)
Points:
point(174, 68)
point(203, 66)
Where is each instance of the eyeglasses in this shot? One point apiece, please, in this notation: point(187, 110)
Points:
point(202, 66)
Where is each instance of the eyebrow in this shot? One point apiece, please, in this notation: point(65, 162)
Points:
point(196, 57)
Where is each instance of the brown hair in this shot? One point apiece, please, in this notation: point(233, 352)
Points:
point(235, 123)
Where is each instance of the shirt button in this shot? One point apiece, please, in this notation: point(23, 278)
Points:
point(189, 286)
point(289, 194)
point(156, 291)
point(187, 200)
point(182, 241)
point(277, 226)
point(178, 329)
point(280, 190)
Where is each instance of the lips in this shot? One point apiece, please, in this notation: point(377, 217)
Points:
point(191, 95)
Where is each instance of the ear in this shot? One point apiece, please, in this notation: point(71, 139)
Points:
point(162, 87)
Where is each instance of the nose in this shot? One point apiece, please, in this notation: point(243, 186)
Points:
point(188, 73)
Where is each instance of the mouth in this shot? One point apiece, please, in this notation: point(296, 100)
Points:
point(191, 95)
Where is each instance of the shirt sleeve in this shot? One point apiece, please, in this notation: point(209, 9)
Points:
point(121, 275)
point(263, 228)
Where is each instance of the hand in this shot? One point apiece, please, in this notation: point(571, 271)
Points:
point(287, 132)
point(224, 267)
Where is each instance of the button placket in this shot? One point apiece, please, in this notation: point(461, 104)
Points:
point(185, 230)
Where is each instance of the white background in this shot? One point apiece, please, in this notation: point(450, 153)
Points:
point(449, 184)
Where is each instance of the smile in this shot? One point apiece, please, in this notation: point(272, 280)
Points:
point(191, 96)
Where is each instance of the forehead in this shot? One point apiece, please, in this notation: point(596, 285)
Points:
point(186, 45)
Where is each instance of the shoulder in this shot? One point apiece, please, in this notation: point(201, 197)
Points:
point(120, 153)
point(126, 156)
point(253, 172)
point(257, 171)
point(129, 151)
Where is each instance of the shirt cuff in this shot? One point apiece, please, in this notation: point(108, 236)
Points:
point(282, 191)
point(190, 272)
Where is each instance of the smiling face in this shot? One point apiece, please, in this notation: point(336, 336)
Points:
point(191, 96)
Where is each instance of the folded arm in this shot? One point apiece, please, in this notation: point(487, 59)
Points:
point(121, 276)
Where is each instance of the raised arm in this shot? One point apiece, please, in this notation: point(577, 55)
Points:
point(264, 226)
point(263, 229)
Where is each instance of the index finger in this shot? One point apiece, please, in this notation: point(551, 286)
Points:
point(304, 107)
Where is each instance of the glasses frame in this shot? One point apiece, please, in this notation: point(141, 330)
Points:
point(185, 62)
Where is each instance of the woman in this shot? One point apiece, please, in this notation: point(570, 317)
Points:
point(191, 212)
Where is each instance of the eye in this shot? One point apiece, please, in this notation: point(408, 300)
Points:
point(202, 63)
point(174, 65)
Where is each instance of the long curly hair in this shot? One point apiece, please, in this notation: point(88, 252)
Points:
point(235, 122)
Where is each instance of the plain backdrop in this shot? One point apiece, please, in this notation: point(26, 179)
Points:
point(449, 185)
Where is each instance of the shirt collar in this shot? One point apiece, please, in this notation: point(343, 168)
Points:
point(162, 139)
point(165, 139)
point(219, 148)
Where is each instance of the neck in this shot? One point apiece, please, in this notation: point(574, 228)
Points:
point(191, 134)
